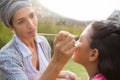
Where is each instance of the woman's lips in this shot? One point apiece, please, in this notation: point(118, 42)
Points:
point(33, 31)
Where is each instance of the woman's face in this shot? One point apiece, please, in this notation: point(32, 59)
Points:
point(25, 23)
point(82, 53)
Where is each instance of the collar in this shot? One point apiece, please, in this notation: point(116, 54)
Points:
point(23, 48)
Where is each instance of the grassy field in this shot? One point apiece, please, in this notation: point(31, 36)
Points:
point(77, 69)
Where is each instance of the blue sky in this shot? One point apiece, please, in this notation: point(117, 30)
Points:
point(83, 9)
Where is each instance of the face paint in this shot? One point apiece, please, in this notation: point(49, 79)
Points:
point(77, 43)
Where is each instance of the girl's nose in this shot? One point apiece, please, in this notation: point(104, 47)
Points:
point(77, 43)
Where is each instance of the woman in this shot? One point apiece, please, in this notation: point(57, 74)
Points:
point(98, 50)
point(27, 55)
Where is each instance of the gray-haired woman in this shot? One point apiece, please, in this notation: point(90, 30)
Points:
point(27, 55)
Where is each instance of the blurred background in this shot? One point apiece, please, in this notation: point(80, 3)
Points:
point(69, 15)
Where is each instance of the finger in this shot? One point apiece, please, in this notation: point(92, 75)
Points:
point(68, 45)
point(61, 36)
point(65, 45)
point(70, 51)
point(69, 38)
point(61, 44)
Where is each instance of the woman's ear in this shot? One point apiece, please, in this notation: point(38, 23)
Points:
point(93, 55)
point(11, 28)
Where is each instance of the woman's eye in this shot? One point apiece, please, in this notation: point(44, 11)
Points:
point(20, 22)
point(32, 15)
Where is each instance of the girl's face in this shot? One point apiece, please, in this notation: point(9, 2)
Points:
point(25, 23)
point(82, 53)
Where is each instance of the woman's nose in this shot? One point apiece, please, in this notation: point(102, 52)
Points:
point(30, 23)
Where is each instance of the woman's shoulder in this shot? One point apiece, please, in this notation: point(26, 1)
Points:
point(9, 50)
point(41, 38)
point(11, 54)
point(8, 47)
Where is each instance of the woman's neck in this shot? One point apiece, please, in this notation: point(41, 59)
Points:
point(28, 42)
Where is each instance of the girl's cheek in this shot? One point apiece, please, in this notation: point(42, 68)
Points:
point(79, 45)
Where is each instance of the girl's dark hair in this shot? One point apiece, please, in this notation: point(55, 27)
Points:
point(106, 38)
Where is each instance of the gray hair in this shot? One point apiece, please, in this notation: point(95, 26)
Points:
point(9, 7)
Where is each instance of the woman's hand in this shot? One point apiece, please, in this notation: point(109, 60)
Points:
point(64, 46)
point(67, 75)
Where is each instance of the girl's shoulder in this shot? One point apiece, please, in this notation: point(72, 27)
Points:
point(99, 76)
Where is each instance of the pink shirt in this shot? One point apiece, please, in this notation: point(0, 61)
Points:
point(99, 77)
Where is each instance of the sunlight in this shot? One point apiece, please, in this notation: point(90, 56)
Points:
point(82, 9)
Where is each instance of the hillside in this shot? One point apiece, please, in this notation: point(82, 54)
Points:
point(49, 22)
point(45, 15)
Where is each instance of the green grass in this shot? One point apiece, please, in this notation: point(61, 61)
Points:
point(77, 69)
point(5, 35)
